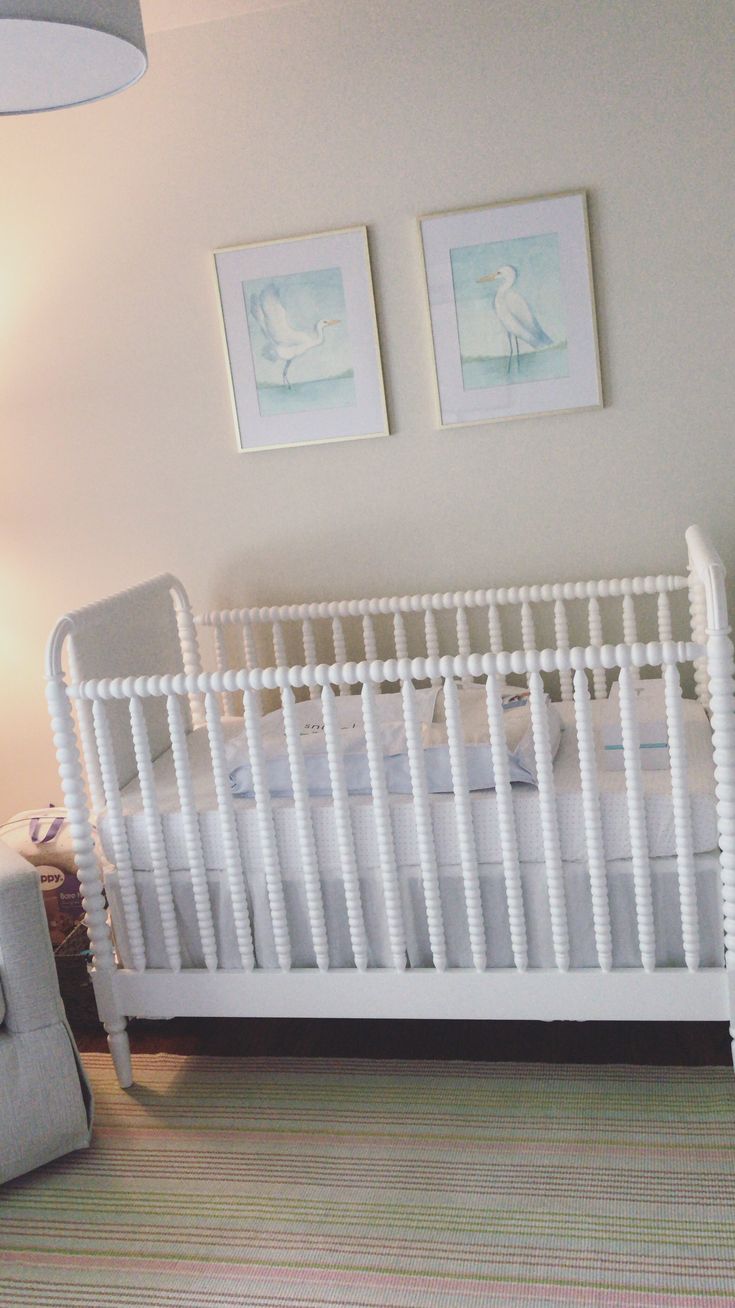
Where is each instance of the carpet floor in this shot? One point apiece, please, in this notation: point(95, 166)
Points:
point(221, 1182)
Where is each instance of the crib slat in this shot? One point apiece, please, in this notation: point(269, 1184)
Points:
point(463, 639)
point(305, 828)
point(599, 680)
point(432, 640)
point(266, 829)
point(592, 821)
point(681, 803)
point(85, 722)
point(190, 653)
point(343, 825)
point(665, 631)
point(384, 828)
point(424, 828)
point(370, 644)
point(279, 645)
point(154, 831)
point(368, 638)
point(228, 829)
point(506, 825)
point(399, 635)
point(549, 822)
point(528, 630)
point(465, 829)
point(248, 645)
point(192, 834)
point(561, 634)
point(637, 820)
point(340, 650)
point(310, 656)
point(228, 702)
point(495, 628)
point(119, 835)
point(630, 631)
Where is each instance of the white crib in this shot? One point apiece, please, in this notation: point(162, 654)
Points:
point(195, 885)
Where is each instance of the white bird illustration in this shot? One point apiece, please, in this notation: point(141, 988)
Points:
point(283, 340)
point(514, 312)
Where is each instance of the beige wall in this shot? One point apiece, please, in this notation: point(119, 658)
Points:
point(118, 447)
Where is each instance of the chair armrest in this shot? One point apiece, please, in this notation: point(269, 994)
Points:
point(27, 972)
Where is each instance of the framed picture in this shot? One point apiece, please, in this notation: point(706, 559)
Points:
point(512, 309)
point(302, 340)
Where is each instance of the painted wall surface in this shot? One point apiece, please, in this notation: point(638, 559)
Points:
point(119, 453)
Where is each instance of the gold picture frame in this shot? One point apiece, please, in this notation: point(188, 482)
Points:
point(301, 337)
point(512, 309)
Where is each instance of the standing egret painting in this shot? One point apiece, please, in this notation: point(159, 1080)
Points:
point(510, 319)
point(301, 337)
point(512, 309)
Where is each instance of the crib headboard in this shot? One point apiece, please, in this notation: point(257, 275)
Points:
point(136, 633)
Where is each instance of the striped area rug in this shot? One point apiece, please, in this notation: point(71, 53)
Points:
point(218, 1182)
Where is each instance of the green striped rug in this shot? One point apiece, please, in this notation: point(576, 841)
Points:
point(221, 1182)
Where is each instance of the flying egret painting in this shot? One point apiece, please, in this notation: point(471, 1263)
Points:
point(301, 337)
point(510, 311)
point(299, 341)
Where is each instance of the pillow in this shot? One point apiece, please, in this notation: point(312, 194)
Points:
point(349, 718)
point(432, 722)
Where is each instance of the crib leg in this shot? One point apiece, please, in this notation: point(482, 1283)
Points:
point(117, 1039)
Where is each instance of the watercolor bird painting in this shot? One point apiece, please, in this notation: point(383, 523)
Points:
point(283, 340)
point(299, 341)
point(515, 313)
point(517, 333)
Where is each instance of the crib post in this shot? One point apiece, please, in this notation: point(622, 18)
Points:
point(721, 696)
point(85, 857)
point(722, 705)
point(715, 685)
point(698, 620)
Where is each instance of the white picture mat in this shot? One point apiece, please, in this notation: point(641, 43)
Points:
point(565, 215)
point(348, 251)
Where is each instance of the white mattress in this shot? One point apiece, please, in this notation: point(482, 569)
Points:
point(616, 834)
point(657, 789)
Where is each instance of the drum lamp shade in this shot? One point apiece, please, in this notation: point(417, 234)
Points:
point(56, 53)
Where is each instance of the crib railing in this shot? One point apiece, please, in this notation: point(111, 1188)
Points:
point(579, 662)
point(479, 617)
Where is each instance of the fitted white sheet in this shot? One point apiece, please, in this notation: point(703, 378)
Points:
point(657, 791)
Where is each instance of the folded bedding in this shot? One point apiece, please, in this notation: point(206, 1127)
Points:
point(431, 713)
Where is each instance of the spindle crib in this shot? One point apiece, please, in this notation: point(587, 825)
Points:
point(128, 695)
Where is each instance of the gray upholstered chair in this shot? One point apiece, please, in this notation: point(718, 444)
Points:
point(45, 1101)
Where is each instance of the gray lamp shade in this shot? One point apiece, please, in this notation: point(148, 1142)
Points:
point(55, 53)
